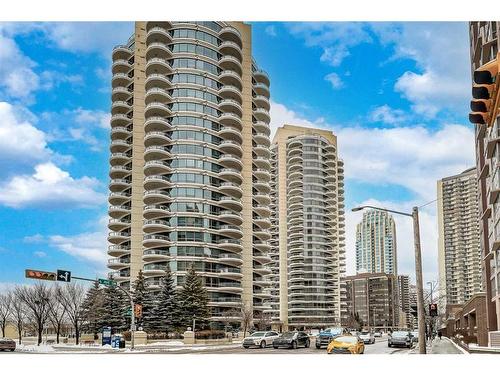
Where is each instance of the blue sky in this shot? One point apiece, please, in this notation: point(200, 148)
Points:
point(396, 94)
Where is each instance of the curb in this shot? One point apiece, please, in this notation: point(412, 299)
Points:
point(456, 345)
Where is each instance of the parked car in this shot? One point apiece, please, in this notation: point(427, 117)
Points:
point(260, 339)
point(368, 337)
point(292, 340)
point(327, 335)
point(400, 338)
point(7, 344)
point(378, 334)
point(346, 344)
point(415, 336)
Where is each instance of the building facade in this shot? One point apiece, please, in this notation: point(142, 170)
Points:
point(376, 243)
point(406, 300)
point(459, 250)
point(484, 47)
point(308, 254)
point(190, 161)
point(373, 300)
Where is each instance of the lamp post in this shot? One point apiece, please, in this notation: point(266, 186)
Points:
point(418, 271)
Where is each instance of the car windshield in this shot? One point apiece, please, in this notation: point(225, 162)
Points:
point(365, 333)
point(335, 331)
point(288, 335)
point(346, 339)
point(399, 334)
point(258, 334)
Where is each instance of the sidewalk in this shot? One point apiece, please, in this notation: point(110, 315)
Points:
point(443, 346)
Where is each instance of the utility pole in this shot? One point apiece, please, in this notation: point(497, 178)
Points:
point(419, 286)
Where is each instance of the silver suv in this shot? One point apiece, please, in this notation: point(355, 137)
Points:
point(260, 339)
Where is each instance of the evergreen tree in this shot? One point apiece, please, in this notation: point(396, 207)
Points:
point(113, 310)
point(91, 308)
point(164, 317)
point(146, 298)
point(139, 289)
point(193, 301)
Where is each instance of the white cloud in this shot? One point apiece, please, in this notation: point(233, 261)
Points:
point(270, 30)
point(40, 254)
point(36, 238)
point(334, 38)
point(50, 187)
point(92, 117)
point(388, 115)
point(335, 80)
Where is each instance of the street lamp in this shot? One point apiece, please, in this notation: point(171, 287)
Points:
point(418, 271)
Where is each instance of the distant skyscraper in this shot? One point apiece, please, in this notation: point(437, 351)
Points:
point(405, 300)
point(459, 241)
point(376, 243)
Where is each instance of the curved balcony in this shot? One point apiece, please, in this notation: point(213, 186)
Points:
point(117, 212)
point(261, 270)
point(155, 240)
point(166, 25)
point(261, 89)
point(152, 255)
point(118, 225)
point(120, 158)
point(231, 161)
point(119, 171)
point(262, 174)
point(232, 106)
point(231, 134)
point(232, 189)
point(262, 209)
point(120, 79)
point(119, 276)
point(231, 174)
point(230, 272)
point(261, 127)
point(230, 244)
point(156, 167)
point(230, 92)
point(118, 198)
point(262, 101)
point(154, 226)
point(262, 234)
point(228, 62)
point(118, 250)
point(230, 287)
point(156, 123)
point(156, 153)
point(262, 162)
point(233, 231)
point(158, 34)
point(121, 52)
point(154, 78)
point(120, 132)
point(152, 269)
point(262, 222)
point(155, 138)
point(118, 184)
point(231, 48)
point(262, 150)
point(156, 94)
point(262, 114)
point(118, 237)
point(120, 120)
point(262, 77)
point(158, 50)
point(157, 110)
point(231, 120)
point(121, 93)
point(121, 66)
point(155, 211)
point(231, 147)
point(230, 217)
point(262, 246)
point(231, 34)
point(261, 281)
point(232, 78)
point(156, 182)
point(156, 197)
point(119, 263)
point(262, 139)
point(231, 203)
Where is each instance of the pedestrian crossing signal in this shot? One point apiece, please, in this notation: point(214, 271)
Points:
point(433, 309)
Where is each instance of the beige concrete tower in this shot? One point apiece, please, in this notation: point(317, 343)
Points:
point(190, 161)
point(459, 245)
point(308, 228)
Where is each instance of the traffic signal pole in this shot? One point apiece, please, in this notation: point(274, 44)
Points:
point(132, 316)
point(419, 286)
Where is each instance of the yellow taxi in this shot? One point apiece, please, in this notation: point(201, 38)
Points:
point(346, 344)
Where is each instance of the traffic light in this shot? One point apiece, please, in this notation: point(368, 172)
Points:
point(433, 309)
point(484, 93)
point(138, 311)
point(40, 275)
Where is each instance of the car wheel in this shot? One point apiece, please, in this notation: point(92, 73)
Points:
point(12, 350)
point(389, 345)
point(318, 346)
point(294, 344)
point(263, 344)
point(275, 347)
point(308, 344)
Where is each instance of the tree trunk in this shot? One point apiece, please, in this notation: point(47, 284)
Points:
point(19, 331)
point(4, 324)
point(57, 333)
point(77, 334)
point(40, 333)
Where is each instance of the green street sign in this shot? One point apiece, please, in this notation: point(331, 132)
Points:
point(107, 282)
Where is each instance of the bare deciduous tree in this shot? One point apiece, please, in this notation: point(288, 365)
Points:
point(72, 297)
point(37, 301)
point(263, 320)
point(5, 310)
point(19, 313)
point(246, 315)
point(57, 311)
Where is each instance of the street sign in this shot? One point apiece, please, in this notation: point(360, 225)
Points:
point(106, 336)
point(41, 275)
point(106, 282)
point(63, 275)
point(433, 309)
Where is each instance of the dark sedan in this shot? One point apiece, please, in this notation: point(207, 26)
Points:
point(400, 338)
point(292, 340)
point(7, 344)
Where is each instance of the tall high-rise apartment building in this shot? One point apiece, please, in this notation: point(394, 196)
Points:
point(376, 243)
point(459, 250)
point(190, 160)
point(405, 302)
point(308, 228)
point(484, 47)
